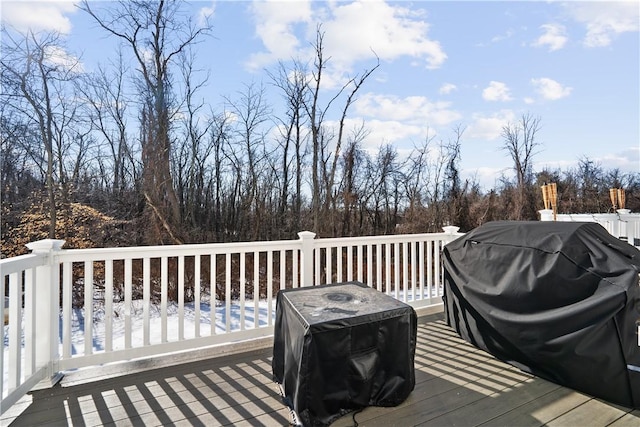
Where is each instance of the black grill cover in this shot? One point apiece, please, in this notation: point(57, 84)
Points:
point(557, 299)
point(341, 347)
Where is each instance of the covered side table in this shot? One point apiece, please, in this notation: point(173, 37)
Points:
point(341, 347)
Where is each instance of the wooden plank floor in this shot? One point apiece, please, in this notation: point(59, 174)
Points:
point(456, 385)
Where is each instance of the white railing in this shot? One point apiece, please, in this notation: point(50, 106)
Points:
point(74, 308)
point(28, 349)
point(622, 224)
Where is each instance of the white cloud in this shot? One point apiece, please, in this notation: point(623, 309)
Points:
point(496, 91)
point(206, 13)
point(390, 31)
point(485, 176)
point(388, 131)
point(391, 119)
point(447, 88)
point(502, 37)
point(489, 127)
point(605, 20)
point(275, 22)
point(38, 16)
point(57, 56)
point(627, 160)
point(352, 32)
point(412, 109)
point(554, 37)
point(550, 89)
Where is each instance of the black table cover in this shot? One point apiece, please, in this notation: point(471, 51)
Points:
point(341, 347)
point(557, 299)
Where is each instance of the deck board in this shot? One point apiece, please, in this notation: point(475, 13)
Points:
point(628, 420)
point(592, 412)
point(456, 385)
point(496, 404)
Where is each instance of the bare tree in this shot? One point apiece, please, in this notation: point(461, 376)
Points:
point(521, 144)
point(293, 136)
point(38, 84)
point(385, 192)
point(590, 178)
point(352, 188)
point(356, 84)
point(324, 163)
point(252, 116)
point(22, 165)
point(316, 118)
point(195, 152)
point(454, 191)
point(107, 99)
point(418, 173)
point(220, 134)
point(156, 33)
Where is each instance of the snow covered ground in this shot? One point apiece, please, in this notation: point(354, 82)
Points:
point(155, 324)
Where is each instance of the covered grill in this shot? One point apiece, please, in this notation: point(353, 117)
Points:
point(558, 300)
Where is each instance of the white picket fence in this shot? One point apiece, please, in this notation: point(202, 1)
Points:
point(229, 287)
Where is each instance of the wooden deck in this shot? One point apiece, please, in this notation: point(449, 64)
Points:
point(456, 385)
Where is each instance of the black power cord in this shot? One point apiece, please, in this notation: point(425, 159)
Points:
point(355, 423)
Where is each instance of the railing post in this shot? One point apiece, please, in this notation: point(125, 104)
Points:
point(623, 233)
point(451, 233)
point(47, 290)
point(631, 223)
point(306, 276)
point(546, 215)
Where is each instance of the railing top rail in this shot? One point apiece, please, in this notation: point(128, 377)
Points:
point(385, 238)
point(177, 250)
point(611, 215)
point(237, 247)
point(22, 262)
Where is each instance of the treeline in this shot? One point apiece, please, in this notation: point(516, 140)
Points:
point(136, 141)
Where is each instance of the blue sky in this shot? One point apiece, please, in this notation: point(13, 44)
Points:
point(480, 65)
